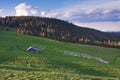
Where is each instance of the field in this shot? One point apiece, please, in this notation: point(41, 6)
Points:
point(51, 63)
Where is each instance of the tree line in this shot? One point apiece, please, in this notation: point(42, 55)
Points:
point(58, 30)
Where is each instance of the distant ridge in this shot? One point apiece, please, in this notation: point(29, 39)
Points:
point(58, 30)
point(115, 33)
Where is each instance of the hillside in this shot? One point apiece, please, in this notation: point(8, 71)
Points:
point(58, 30)
point(115, 33)
point(52, 63)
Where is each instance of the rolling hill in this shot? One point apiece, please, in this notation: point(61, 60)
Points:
point(52, 63)
point(58, 30)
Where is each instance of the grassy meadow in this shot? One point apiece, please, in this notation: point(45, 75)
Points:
point(51, 63)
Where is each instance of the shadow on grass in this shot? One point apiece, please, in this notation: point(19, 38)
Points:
point(21, 68)
point(57, 65)
point(85, 70)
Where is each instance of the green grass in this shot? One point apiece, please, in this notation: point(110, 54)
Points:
point(52, 63)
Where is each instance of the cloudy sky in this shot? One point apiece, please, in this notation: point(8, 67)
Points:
point(103, 15)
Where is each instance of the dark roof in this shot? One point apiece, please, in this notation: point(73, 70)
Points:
point(33, 49)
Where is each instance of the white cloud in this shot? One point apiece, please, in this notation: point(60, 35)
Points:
point(78, 14)
point(92, 15)
point(1, 10)
point(87, 15)
point(49, 14)
point(25, 10)
point(104, 17)
point(103, 26)
point(108, 10)
point(111, 4)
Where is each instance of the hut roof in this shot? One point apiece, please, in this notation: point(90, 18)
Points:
point(33, 49)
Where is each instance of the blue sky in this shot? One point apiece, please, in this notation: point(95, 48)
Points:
point(103, 15)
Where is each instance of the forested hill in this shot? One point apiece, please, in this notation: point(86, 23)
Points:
point(58, 30)
point(115, 33)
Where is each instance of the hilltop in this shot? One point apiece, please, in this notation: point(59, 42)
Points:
point(58, 30)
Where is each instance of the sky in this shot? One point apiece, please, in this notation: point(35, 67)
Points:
point(102, 15)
